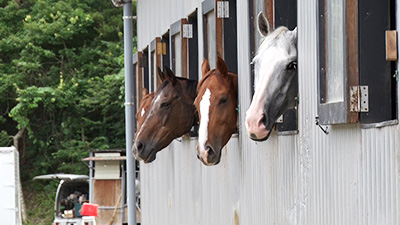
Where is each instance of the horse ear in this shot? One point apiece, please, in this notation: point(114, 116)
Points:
point(205, 67)
point(294, 35)
point(170, 75)
point(160, 74)
point(222, 67)
point(263, 25)
point(145, 92)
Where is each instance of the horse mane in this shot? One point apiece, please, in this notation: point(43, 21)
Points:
point(162, 86)
point(147, 96)
point(210, 74)
point(189, 87)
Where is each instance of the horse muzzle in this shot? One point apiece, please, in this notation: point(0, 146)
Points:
point(256, 128)
point(208, 156)
point(144, 152)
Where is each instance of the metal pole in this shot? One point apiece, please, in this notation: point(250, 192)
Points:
point(129, 111)
point(91, 154)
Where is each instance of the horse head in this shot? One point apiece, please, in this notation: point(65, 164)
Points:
point(275, 66)
point(171, 114)
point(216, 104)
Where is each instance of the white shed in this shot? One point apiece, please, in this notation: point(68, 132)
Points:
point(10, 206)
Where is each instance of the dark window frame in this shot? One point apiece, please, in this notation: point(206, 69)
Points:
point(225, 34)
point(139, 77)
point(144, 64)
point(166, 50)
point(364, 25)
point(155, 59)
point(193, 47)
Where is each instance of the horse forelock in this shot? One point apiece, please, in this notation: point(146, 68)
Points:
point(162, 86)
point(280, 37)
point(202, 81)
point(212, 73)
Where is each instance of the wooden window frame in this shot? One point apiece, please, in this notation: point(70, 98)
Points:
point(176, 29)
point(139, 77)
point(338, 112)
point(208, 6)
point(225, 33)
point(144, 64)
point(156, 51)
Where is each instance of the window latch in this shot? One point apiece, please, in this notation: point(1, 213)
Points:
point(359, 99)
point(222, 9)
point(325, 130)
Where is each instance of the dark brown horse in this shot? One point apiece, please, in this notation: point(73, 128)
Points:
point(171, 115)
point(144, 109)
point(217, 103)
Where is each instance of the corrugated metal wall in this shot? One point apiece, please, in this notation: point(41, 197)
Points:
point(350, 176)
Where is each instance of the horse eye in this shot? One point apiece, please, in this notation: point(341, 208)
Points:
point(164, 105)
point(223, 100)
point(292, 66)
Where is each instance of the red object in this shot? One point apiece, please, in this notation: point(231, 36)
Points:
point(89, 209)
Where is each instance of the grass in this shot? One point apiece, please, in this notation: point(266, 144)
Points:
point(39, 201)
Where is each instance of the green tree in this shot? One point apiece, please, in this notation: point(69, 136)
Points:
point(61, 82)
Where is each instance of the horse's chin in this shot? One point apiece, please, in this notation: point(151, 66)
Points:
point(262, 138)
point(211, 163)
point(151, 157)
point(147, 158)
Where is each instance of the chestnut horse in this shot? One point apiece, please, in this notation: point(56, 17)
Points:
point(275, 65)
point(170, 115)
point(216, 103)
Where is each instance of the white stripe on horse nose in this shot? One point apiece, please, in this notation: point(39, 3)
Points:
point(204, 114)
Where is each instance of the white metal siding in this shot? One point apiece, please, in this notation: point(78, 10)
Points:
point(350, 176)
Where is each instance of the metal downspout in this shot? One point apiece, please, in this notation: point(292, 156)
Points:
point(129, 111)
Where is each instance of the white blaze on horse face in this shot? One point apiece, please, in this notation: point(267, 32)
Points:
point(204, 112)
point(142, 113)
point(264, 69)
point(158, 98)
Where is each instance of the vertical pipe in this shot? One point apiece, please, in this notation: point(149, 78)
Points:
point(123, 189)
point(91, 154)
point(129, 111)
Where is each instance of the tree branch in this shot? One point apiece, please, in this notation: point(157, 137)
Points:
point(17, 137)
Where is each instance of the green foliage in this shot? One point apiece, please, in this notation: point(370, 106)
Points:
point(61, 79)
point(39, 196)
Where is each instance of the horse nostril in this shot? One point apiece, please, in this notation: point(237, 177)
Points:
point(253, 136)
point(139, 146)
point(263, 119)
point(210, 151)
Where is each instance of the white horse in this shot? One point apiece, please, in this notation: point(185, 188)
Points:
point(275, 66)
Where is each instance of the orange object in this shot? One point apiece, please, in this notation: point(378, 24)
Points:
point(89, 209)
